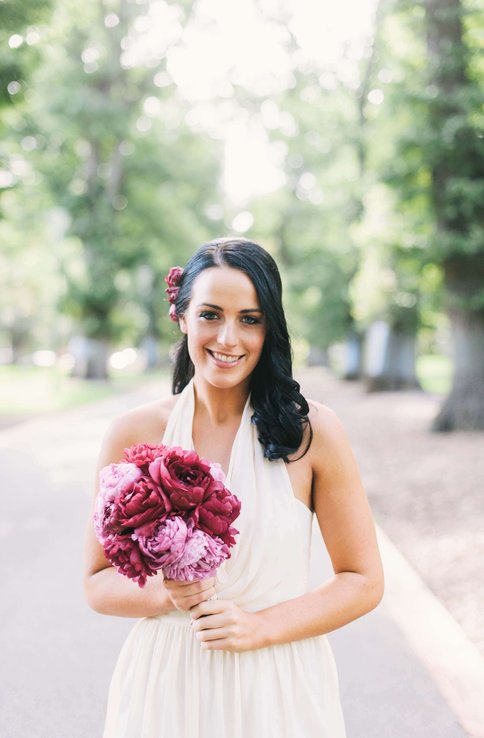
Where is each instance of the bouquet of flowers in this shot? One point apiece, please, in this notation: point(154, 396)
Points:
point(165, 508)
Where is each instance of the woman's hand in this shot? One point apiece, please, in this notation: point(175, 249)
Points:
point(185, 595)
point(222, 625)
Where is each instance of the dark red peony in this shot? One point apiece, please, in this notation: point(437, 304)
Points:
point(185, 478)
point(124, 553)
point(145, 503)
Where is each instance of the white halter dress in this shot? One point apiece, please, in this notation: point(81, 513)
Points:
point(164, 685)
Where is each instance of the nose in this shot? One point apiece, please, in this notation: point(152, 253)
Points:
point(227, 335)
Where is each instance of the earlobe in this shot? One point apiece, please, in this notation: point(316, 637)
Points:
point(183, 325)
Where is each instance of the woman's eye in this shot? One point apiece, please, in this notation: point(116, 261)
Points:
point(250, 320)
point(208, 315)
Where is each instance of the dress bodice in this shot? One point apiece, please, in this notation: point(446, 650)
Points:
point(270, 560)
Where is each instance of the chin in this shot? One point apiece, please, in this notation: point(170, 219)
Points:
point(224, 382)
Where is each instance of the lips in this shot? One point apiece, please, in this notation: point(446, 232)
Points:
point(227, 359)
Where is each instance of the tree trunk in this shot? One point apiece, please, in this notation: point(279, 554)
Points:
point(97, 359)
point(150, 347)
point(90, 358)
point(317, 356)
point(389, 359)
point(352, 359)
point(463, 409)
point(457, 165)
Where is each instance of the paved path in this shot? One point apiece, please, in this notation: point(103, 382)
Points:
point(57, 655)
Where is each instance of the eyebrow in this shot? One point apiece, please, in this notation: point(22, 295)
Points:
point(217, 307)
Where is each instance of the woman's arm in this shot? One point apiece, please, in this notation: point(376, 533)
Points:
point(346, 523)
point(109, 592)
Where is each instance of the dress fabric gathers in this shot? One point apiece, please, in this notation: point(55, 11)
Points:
point(165, 685)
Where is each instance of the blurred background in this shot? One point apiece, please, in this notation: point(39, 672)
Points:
point(347, 138)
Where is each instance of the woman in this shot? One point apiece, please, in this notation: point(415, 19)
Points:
point(242, 654)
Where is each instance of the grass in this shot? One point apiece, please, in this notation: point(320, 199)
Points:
point(28, 390)
point(434, 372)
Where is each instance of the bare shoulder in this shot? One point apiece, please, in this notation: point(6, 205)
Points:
point(143, 424)
point(330, 444)
point(324, 421)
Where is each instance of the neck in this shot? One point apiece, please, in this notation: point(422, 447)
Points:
point(220, 405)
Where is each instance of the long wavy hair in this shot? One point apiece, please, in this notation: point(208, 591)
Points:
point(280, 410)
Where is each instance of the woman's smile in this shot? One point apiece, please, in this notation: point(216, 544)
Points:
point(227, 360)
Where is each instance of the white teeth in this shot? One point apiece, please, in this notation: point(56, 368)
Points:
point(225, 359)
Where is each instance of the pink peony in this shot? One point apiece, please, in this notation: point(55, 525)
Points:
point(172, 279)
point(123, 552)
point(165, 543)
point(217, 472)
point(142, 454)
point(116, 479)
point(201, 557)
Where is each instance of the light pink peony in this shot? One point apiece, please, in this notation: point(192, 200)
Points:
point(201, 557)
point(217, 472)
point(116, 479)
point(181, 551)
point(165, 543)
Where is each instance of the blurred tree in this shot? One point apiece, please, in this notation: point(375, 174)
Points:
point(18, 40)
point(437, 169)
point(20, 33)
point(308, 221)
point(387, 289)
point(332, 137)
point(118, 157)
point(455, 156)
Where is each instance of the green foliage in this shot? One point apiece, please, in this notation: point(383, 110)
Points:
point(18, 57)
point(119, 159)
point(309, 221)
point(438, 162)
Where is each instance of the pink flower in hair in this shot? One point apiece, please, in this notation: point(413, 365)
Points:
point(173, 281)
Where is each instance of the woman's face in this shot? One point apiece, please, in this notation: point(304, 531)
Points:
point(225, 327)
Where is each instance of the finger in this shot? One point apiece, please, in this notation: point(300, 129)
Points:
point(214, 634)
point(188, 603)
point(208, 607)
point(220, 644)
point(207, 584)
point(187, 589)
point(208, 622)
